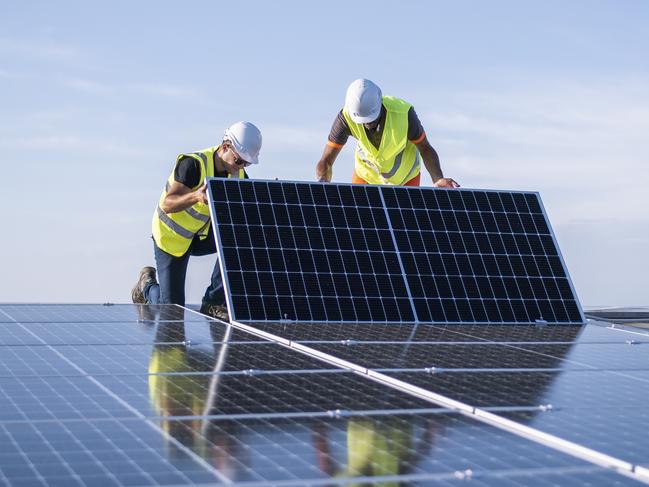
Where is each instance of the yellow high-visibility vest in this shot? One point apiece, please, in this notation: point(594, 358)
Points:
point(174, 232)
point(378, 448)
point(397, 160)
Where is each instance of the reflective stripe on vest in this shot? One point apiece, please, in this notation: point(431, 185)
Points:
point(174, 232)
point(396, 160)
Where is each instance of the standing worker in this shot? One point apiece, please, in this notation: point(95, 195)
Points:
point(391, 140)
point(181, 222)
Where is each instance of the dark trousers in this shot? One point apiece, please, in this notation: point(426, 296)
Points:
point(172, 272)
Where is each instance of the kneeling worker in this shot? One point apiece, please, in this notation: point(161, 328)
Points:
point(391, 140)
point(181, 222)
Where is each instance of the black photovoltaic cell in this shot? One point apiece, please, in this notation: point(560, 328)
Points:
point(354, 253)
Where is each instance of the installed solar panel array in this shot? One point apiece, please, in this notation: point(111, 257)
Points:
point(335, 252)
point(337, 371)
point(157, 395)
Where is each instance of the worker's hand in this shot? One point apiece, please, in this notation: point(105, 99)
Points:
point(201, 194)
point(446, 183)
point(326, 177)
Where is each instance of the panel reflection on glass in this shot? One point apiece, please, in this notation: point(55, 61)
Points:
point(456, 356)
point(375, 448)
point(156, 401)
point(88, 313)
point(616, 431)
point(305, 332)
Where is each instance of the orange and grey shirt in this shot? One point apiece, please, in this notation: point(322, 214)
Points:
point(340, 130)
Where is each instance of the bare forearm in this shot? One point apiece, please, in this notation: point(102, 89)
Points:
point(173, 203)
point(431, 162)
point(324, 167)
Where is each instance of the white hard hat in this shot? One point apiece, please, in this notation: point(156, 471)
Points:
point(246, 140)
point(363, 101)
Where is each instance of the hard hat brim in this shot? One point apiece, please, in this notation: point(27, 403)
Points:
point(251, 160)
point(367, 119)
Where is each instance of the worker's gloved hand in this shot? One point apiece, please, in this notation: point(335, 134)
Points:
point(446, 183)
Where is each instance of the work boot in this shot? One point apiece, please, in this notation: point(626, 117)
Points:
point(147, 276)
point(218, 311)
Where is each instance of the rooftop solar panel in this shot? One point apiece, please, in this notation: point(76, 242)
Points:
point(603, 428)
point(425, 450)
point(190, 401)
point(93, 313)
point(337, 332)
point(116, 333)
point(353, 253)
point(441, 356)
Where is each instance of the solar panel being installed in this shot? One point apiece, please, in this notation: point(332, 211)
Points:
point(354, 253)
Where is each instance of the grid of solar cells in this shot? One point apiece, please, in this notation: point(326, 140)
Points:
point(427, 449)
point(308, 252)
point(601, 428)
point(353, 253)
point(113, 412)
point(448, 356)
point(480, 256)
point(118, 333)
point(124, 359)
point(93, 313)
point(403, 332)
point(94, 452)
point(116, 412)
point(578, 382)
point(583, 388)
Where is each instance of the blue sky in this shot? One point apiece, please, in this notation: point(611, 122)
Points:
point(98, 98)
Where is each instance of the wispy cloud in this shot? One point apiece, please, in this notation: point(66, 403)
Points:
point(48, 50)
point(166, 90)
point(87, 85)
point(583, 145)
point(153, 89)
point(103, 87)
point(75, 143)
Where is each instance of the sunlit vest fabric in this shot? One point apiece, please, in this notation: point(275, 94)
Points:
point(174, 232)
point(397, 160)
point(378, 449)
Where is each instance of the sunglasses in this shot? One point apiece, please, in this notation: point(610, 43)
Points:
point(238, 161)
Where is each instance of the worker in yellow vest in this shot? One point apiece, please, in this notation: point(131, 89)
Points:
point(181, 221)
point(391, 140)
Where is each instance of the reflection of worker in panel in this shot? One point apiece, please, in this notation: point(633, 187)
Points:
point(376, 447)
point(184, 381)
point(391, 140)
point(181, 222)
point(172, 391)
